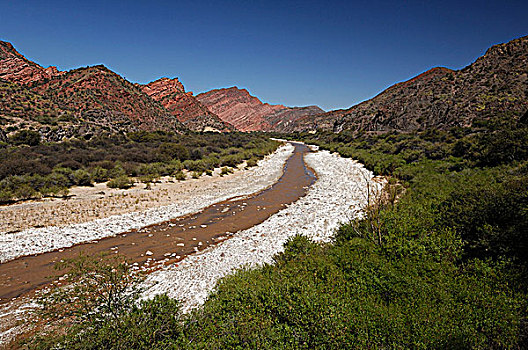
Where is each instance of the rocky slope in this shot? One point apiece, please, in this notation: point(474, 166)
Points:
point(99, 96)
point(184, 106)
point(90, 100)
point(247, 113)
point(15, 67)
point(496, 83)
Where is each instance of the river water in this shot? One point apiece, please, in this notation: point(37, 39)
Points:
point(170, 241)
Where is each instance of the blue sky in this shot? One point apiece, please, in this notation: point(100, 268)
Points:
point(330, 53)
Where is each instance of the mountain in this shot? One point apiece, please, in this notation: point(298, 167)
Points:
point(171, 94)
point(247, 113)
point(495, 84)
point(15, 67)
point(100, 96)
point(90, 100)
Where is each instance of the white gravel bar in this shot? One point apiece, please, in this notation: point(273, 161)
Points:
point(338, 195)
point(41, 240)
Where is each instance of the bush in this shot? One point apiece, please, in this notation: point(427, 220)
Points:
point(180, 176)
point(111, 156)
point(251, 162)
point(117, 171)
point(225, 171)
point(490, 218)
point(122, 182)
point(82, 178)
point(25, 137)
point(99, 174)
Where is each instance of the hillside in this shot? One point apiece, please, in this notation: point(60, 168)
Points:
point(496, 83)
point(184, 106)
point(247, 113)
point(90, 100)
point(99, 96)
point(15, 67)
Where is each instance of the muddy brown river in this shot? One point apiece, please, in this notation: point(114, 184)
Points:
point(169, 241)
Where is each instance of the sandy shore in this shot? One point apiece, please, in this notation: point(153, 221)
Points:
point(337, 196)
point(91, 215)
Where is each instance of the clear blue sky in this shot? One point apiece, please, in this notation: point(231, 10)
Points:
point(330, 53)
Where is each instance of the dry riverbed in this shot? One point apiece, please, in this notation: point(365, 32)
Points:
point(92, 215)
point(337, 196)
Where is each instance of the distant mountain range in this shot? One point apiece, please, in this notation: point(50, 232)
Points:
point(90, 100)
point(86, 101)
point(496, 83)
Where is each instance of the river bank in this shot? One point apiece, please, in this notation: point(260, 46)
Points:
point(92, 216)
point(338, 195)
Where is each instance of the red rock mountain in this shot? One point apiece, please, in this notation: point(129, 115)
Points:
point(90, 100)
point(184, 106)
point(247, 113)
point(495, 84)
point(15, 67)
point(98, 95)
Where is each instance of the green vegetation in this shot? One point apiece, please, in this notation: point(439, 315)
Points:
point(31, 169)
point(225, 171)
point(439, 261)
point(25, 137)
point(122, 182)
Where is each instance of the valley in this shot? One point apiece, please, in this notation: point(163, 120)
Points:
point(218, 220)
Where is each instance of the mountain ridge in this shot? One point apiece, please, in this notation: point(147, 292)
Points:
point(184, 105)
point(89, 100)
point(495, 83)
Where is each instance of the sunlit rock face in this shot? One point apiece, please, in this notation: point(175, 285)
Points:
point(15, 67)
point(247, 113)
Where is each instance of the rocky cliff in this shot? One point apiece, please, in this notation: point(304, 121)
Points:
point(496, 83)
point(184, 106)
point(247, 113)
point(17, 68)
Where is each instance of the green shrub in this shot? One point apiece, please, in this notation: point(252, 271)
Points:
point(6, 195)
point(180, 176)
point(225, 171)
point(251, 162)
point(99, 174)
point(231, 160)
point(122, 182)
point(117, 171)
point(82, 178)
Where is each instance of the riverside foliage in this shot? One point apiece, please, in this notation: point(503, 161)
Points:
point(441, 266)
point(32, 169)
